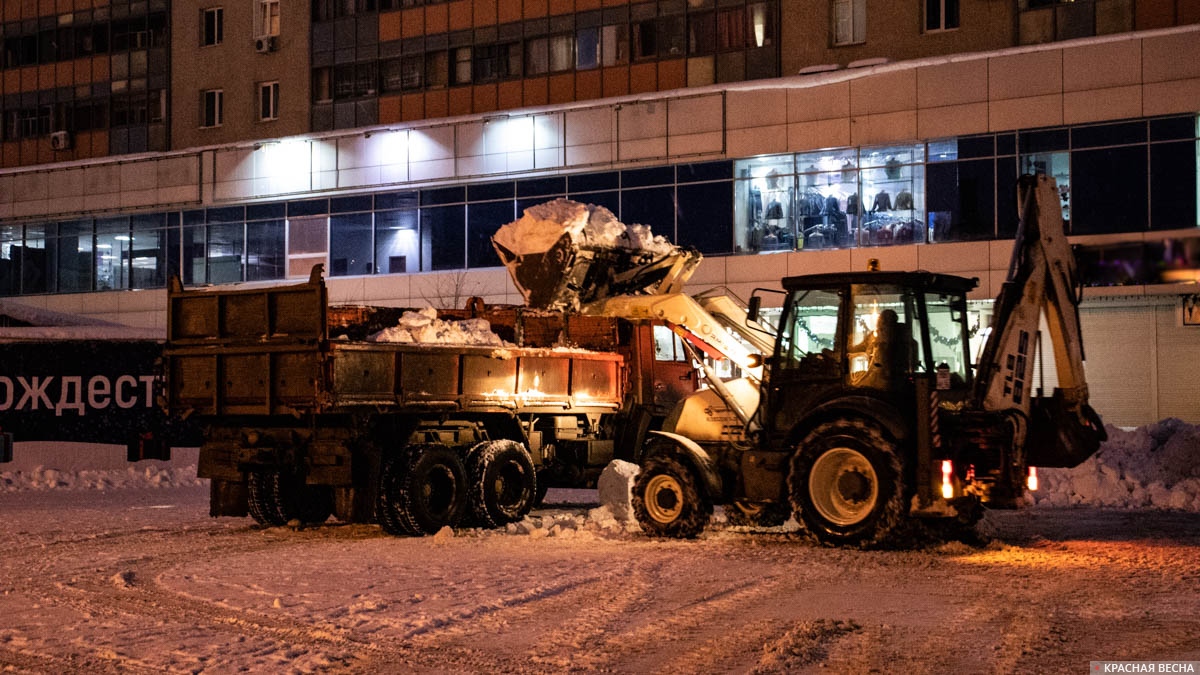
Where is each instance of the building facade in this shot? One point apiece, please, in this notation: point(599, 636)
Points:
point(909, 162)
point(239, 71)
point(83, 79)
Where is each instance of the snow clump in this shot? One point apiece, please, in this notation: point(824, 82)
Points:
point(1155, 466)
point(589, 226)
point(424, 327)
point(43, 478)
point(615, 488)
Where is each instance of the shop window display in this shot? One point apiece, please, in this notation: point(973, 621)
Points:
point(765, 214)
point(892, 192)
point(828, 204)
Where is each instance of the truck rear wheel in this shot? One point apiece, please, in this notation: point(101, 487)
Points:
point(668, 500)
point(278, 497)
point(846, 484)
point(503, 484)
point(422, 490)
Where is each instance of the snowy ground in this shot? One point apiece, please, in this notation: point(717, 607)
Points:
point(142, 580)
point(123, 571)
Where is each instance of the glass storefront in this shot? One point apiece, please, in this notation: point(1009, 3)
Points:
point(1130, 176)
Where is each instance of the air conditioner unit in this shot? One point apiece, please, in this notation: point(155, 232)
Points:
point(60, 140)
point(264, 44)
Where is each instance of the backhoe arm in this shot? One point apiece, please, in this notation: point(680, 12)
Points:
point(1041, 279)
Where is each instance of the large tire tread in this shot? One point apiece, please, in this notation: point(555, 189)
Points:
point(262, 499)
point(409, 503)
point(277, 497)
point(696, 508)
point(886, 523)
point(503, 483)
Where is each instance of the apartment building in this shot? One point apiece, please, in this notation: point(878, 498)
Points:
point(240, 71)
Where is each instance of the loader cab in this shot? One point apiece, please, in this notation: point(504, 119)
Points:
point(866, 335)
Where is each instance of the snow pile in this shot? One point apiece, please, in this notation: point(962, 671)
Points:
point(42, 478)
point(589, 226)
point(615, 488)
point(1155, 466)
point(424, 327)
point(597, 522)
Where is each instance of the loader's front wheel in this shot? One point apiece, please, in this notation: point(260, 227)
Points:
point(846, 484)
point(668, 500)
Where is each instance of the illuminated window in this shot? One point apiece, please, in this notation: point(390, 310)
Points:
point(213, 106)
point(214, 27)
point(462, 65)
point(849, 22)
point(614, 44)
point(267, 19)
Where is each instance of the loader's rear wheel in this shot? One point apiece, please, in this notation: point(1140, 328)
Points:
point(422, 490)
point(278, 497)
point(668, 500)
point(846, 484)
point(503, 484)
point(757, 514)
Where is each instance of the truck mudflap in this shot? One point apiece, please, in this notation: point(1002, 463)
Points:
point(1062, 433)
point(701, 462)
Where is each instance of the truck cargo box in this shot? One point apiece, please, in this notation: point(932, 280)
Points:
point(280, 350)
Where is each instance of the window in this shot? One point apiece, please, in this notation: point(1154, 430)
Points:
point(462, 65)
point(213, 104)
point(668, 346)
point(307, 242)
point(322, 85)
point(267, 20)
point(645, 45)
point(941, 15)
point(436, 69)
point(562, 53)
point(537, 61)
point(731, 29)
point(397, 247)
point(587, 41)
point(265, 250)
point(268, 101)
point(214, 27)
point(808, 345)
point(614, 44)
point(351, 250)
point(849, 22)
point(493, 62)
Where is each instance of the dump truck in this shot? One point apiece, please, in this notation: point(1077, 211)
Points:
point(304, 415)
point(861, 411)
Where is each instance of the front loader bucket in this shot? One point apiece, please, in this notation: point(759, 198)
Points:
point(563, 255)
point(542, 278)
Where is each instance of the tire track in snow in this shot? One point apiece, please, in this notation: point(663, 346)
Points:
point(680, 626)
point(589, 623)
point(116, 590)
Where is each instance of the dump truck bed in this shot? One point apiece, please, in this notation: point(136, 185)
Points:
point(269, 351)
